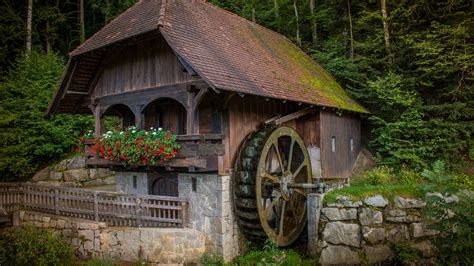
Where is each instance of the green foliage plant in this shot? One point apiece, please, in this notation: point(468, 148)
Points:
point(451, 212)
point(381, 175)
point(29, 139)
point(34, 246)
point(135, 147)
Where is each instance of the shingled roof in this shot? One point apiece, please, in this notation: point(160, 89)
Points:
point(227, 51)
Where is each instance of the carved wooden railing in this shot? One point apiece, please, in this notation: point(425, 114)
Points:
point(115, 209)
point(197, 153)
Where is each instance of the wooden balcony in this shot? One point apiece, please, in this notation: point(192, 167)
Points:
point(198, 153)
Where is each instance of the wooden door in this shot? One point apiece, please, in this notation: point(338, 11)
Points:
point(164, 184)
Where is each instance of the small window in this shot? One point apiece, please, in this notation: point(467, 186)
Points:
point(333, 144)
point(194, 184)
point(351, 143)
point(134, 181)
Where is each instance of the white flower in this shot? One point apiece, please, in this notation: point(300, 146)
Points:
point(146, 133)
point(133, 131)
point(154, 133)
point(121, 132)
point(151, 128)
point(160, 128)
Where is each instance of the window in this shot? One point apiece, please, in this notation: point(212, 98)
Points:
point(351, 144)
point(134, 181)
point(333, 144)
point(194, 184)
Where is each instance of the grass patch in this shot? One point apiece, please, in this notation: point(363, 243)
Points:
point(360, 191)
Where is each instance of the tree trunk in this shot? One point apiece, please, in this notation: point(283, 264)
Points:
point(277, 13)
point(298, 39)
point(314, 25)
point(350, 29)
point(386, 30)
point(29, 21)
point(82, 30)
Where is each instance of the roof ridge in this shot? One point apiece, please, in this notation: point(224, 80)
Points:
point(161, 19)
point(97, 32)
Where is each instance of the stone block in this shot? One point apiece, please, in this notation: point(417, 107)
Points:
point(43, 174)
point(373, 234)
point(408, 203)
point(76, 175)
point(398, 234)
point(342, 233)
point(425, 248)
point(76, 163)
point(55, 175)
point(338, 255)
point(338, 214)
point(422, 230)
point(93, 183)
point(111, 180)
point(61, 166)
point(100, 173)
point(378, 254)
point(368, 216)
point(376, 201)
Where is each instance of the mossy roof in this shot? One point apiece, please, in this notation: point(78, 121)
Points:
point(229, 52)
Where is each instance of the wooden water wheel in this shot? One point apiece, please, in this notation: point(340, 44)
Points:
point(271, 172)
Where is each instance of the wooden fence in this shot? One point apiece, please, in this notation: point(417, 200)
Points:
point(113, 208)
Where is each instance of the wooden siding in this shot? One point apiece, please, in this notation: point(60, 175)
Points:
point(167, 114)
point(146, 64)
point(247, 114)
point(339, 164)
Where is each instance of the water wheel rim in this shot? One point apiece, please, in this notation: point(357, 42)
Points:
point(282, 232)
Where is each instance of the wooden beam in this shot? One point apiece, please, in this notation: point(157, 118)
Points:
point(83, 93)
point(199, 97)
point(279, 120)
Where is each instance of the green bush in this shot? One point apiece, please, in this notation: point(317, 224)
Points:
point(380, 175)
point(451, 213)
point(212, 259)
point(463, 181)
point(409, 177)
point(33, 246)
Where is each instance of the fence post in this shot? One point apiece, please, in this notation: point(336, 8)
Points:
point(138, 211)
point(56, 201)
point(96, 206)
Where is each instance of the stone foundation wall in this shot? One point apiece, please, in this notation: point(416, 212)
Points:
point(151, 245)
point(364, 232)
point(211, 212)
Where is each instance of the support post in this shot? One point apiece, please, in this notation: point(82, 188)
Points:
point(191, 114)
point(314, 206)
point(99, 122)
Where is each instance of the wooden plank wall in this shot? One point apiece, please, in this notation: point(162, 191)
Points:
point(249, 113)
point(146, 64)
point(343, 128)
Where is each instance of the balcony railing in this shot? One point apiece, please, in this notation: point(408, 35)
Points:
point(198, 153)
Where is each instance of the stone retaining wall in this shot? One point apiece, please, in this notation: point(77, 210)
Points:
point(95, 239)
point(366, 231)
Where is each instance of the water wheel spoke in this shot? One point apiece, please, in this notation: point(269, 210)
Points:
point(298, 170)
point(293, 210)
point(282, 220)
point(273, 178)
point(272, 204)
point(277, 151)
point(290, 156)
point(299, 191)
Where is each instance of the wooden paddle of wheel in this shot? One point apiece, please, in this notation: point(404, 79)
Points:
point(271, 173)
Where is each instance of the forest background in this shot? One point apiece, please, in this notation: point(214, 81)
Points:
point(410, 63)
